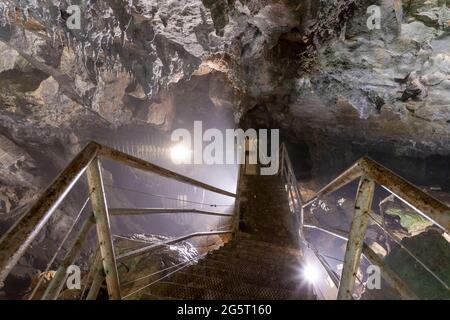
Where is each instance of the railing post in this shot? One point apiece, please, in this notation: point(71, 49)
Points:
point(93, 262)
point(56, 285)
point(101, 215)
point(18, 238)
point(363, 204)
point(293, 191)
point(282, 160)
point(390, 276)
point(237, 204)
point(97, 280)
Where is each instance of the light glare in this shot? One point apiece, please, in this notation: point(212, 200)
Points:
point(180, 154)
point(311, 274)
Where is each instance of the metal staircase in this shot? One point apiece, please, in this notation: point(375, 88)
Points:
point(243, 269)
point(270, 227)
point(263, 261)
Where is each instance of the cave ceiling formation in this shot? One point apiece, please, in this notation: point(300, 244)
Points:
point(311, 68)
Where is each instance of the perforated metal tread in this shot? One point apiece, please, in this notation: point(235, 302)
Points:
point(236, 271)
point(261, 263)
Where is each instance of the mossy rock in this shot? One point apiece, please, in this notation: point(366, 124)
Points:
point(434, 251)
point(410, 220)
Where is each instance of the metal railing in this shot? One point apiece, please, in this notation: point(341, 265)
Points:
point(291, 185)
point(15, 242)
point(19, 237)
point(370, 174)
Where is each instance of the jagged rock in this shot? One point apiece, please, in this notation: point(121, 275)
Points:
point(138, 92)
point(11, 59)
point(162, 114)
point(18, 282)
point(415, 90)
point(311, 68)
point(436, 17)
point(425, 285)
point(107, 100)
point(418, 31)
point(414, 6)
point(391, 20)
point(143, 266)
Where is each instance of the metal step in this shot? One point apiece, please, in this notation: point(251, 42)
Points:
point(240, 249)
point(269, 279)
point(249, 268)
point(242, 256)
point(241, 269)
point(180, 291)
point(264, 265)
point(245, 239)
point(231, 286)
point(149, 296)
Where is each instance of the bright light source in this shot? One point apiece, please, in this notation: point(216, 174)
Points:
point(311, 273)
point(180, 154)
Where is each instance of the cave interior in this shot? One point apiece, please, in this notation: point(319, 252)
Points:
point(338, 81)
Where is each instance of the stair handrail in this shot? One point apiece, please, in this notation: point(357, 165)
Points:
point(21, 234)
point(151, 247)
point(370, 172)
point(287, 173)
point(424, 203)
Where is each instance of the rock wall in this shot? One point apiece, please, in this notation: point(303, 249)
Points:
point(336, 89)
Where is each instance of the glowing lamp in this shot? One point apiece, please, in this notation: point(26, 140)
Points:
point(311, 273)
point(180, 154)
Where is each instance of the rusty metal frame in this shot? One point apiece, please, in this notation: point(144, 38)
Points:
point(423, 203)
point(19, 237)
point(146, 249)
point(100, 209)
point(56, 285)
point(386, 272)
point(287, 173)
point(388, 275)
point(93, 262)
point(97, 280)
point(349, 175)
point(150, 211)
point(237, 206)
point(140, 164)
point(363, 204)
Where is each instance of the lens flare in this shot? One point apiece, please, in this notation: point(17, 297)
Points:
point(311, 273)
point(180, 154)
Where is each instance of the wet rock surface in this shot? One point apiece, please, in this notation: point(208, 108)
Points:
point(426, 285)
point(277, 63)
point(336, 89)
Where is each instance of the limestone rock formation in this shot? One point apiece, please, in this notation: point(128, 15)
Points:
point(336, 89)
